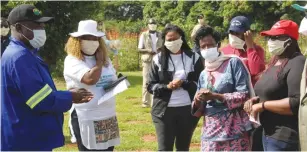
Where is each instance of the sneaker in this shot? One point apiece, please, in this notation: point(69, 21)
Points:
point(73, 139)
point(145, 106)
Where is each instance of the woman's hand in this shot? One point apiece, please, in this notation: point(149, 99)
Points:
point(256, 108)
point(99, 56)
point(203, 95)
point(177, 83)
point(249, 103)
point(170, 86)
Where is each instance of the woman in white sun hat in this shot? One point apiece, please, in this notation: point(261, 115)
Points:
point(87, 65)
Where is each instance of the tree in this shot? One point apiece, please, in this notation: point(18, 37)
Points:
point(67, 15)
point(132, 16)
point(123, 10)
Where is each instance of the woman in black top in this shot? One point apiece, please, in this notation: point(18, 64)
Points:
point(172, 81)
point(279, 89)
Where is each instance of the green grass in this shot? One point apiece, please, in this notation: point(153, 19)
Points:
point(137, 132)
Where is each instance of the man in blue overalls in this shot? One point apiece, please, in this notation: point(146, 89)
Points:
point(31, 107)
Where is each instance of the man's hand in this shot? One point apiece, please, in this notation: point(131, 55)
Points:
point(249, 39)
point(81, 95)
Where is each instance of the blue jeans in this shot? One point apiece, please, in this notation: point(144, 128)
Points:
point(271, 144)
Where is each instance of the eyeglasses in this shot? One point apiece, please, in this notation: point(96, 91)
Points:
point(277, 37)
point(234, 33)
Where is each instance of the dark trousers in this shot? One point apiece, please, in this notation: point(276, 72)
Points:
point(257, 139)
point(271, 144)
point(76, 129)
point(178, 125)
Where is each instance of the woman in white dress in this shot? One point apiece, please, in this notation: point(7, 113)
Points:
point(87, 65)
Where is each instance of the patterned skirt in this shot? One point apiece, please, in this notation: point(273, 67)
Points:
point(241, 144)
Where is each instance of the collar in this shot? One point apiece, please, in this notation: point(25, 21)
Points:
point(189, 53)
point(20, 43)
point(151, 32)
point(33, 52)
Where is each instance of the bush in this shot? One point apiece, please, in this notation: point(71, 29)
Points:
point(128, 56)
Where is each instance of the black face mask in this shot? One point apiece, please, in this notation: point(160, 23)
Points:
point(152, 32)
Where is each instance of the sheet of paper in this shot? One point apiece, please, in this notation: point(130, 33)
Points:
point(255, 120)
point(120, 87)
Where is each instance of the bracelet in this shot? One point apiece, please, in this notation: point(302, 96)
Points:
point(257, 100)
point(263, 105)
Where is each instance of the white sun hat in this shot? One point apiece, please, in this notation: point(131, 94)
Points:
point(87, 27)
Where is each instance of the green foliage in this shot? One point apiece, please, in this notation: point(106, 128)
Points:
point(6, 6)
point(129, 59)
point(132, 16)
point(125, 26)
point(67, 15)
point(219, 13)
point(122, 10)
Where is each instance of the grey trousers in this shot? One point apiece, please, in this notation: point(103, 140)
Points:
point(176, 126)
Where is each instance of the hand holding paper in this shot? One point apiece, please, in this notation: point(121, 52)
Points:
point(120, 85)
point(254, 114)
point(253, 109)
point(112, 92)
point(255, 120)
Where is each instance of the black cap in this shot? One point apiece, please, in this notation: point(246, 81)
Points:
point(152, 21)
point(26, 12)
point(200, 16)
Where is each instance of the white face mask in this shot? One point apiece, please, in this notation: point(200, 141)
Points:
point(303, 26)
point(4, 31)
point(210, 55)
point(277, 47)
point(152, 27)
point(200, 21)
point(236, 42)
point(39, 37)
point(89, 47)
point(173, 46)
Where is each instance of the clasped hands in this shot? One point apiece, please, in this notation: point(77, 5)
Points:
point(204, 95)
point(175, 84)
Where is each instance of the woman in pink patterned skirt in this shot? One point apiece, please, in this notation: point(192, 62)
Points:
point(223, 87)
